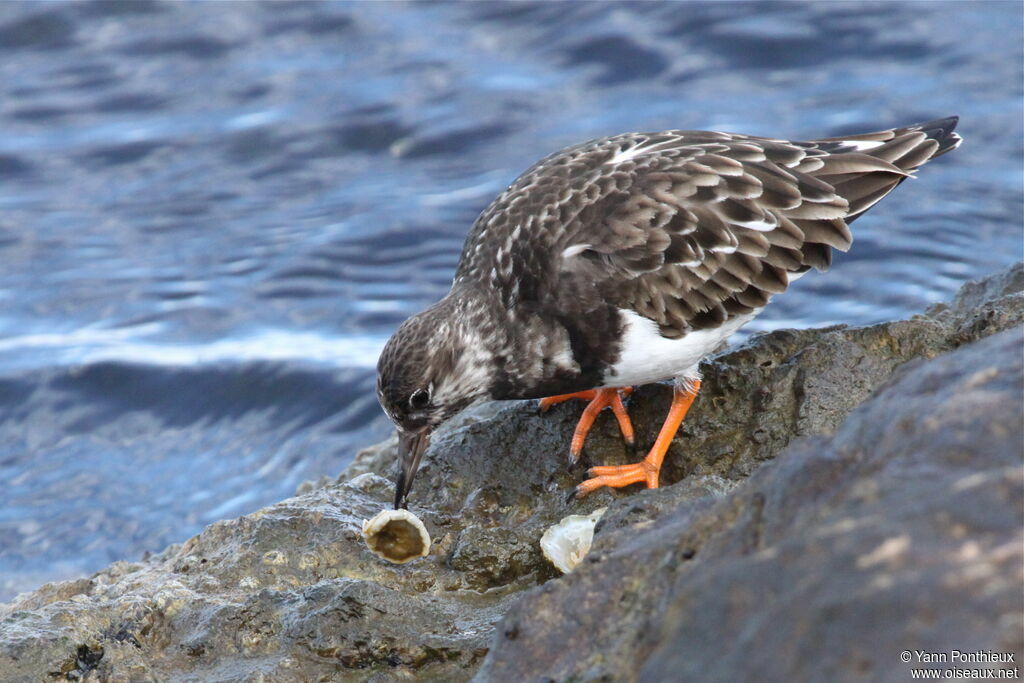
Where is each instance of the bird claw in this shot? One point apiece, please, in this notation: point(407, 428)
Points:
point(599, 399)
point(617, 476)
point(573, 461)
point(577, 459)
point(647, 470)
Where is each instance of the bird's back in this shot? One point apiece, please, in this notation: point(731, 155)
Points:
point(686, 228)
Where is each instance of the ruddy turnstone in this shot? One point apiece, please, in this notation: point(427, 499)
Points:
point(624, 261)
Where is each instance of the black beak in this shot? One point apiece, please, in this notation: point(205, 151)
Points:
point(410, 449)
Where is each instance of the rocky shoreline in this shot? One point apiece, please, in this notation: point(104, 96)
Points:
point(835, 497)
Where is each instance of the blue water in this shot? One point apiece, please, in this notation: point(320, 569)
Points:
point(212, 215)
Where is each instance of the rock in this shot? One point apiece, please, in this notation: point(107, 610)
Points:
point(710, 564)
point(287, 593)
point(903, 531)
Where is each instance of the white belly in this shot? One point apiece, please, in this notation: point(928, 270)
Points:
point(648, 357)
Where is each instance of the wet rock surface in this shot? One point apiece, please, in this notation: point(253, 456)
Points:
point(895, 527)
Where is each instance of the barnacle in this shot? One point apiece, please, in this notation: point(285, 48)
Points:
point(565, 544)
point(396, 535)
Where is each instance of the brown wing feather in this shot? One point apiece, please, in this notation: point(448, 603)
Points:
point(688, 228)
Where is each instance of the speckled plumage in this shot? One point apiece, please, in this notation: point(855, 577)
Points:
point(687, 228)
point(690, 230)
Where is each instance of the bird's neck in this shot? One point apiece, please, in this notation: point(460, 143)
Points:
point(527, 353)
point(471, 339)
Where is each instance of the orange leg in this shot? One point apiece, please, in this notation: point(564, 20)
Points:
point(646, 470)
point(599, 400)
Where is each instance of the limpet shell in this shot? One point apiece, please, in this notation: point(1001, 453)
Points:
point(566, 544)
point(398, 536)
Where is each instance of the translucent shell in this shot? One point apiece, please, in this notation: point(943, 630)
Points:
point(566, 544)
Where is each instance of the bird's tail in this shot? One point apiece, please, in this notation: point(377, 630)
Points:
point(940, 130)
point(907, 149)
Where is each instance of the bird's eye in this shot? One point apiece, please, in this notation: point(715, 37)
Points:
point(419, 399)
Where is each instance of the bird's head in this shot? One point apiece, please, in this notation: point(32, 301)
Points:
point(434, 366)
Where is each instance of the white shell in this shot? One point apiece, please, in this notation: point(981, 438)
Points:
point(396, 535)
point(566, 544)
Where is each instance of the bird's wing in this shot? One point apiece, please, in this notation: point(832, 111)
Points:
point(688, 228)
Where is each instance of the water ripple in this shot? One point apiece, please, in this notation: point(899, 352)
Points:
point(213, 214)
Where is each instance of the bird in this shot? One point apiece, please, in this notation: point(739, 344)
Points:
point(624, 261)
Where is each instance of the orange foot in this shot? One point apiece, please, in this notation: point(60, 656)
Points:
point(599, 400)
point(645, 471)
